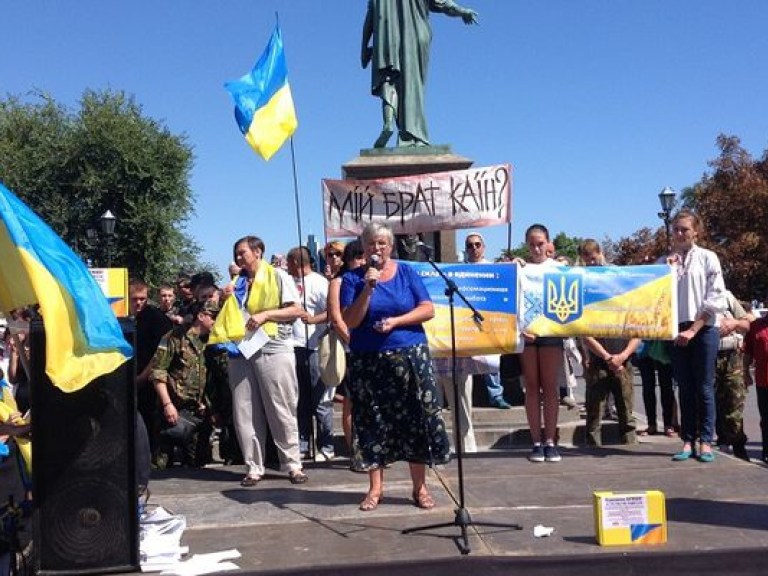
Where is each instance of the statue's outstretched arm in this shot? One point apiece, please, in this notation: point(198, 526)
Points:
point(450, 8)
point(469, 16)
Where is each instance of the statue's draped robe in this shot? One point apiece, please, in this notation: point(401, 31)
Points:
point(401, 40)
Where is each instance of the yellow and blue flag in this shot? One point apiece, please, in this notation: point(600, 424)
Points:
point(263, 102)
point(83, 338)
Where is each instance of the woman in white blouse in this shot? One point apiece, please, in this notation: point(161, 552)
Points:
point(700, 298)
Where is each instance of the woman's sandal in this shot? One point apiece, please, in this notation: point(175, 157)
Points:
point(706, 456)
point(684, 454)
point(298, 477)
point(650, 431)
point(423, 500)
point(371, 502)
point(250, 481)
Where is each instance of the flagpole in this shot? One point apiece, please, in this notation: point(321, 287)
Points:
point(296, 192)
point(311, 439)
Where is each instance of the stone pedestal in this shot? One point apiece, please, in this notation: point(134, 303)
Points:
point(376, 163)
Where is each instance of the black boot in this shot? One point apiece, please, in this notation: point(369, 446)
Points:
point(740, 451)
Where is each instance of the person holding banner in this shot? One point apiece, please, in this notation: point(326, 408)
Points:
point(474, 246)
point(542, 362)
point(608, 369)
point(700, 298)
point(395, 411)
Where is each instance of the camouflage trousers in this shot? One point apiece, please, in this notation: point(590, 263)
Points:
point(730, 398)
point(600, 383)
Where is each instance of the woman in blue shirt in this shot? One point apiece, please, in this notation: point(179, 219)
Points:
point(395, 411)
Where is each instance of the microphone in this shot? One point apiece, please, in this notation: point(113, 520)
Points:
point(426, 248)
point(374, 261)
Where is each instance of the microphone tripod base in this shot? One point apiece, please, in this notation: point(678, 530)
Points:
point(463, 520)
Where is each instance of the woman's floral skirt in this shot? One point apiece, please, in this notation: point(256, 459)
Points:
point(395, 412)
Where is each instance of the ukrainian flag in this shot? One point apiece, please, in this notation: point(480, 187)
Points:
point(263, 103)
point(83, 338)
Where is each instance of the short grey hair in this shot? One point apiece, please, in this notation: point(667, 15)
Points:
point(374, 229)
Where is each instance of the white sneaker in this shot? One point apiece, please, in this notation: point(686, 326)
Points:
point(569, 402)
point(325, 455)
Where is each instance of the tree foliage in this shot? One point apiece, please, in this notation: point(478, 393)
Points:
point(642, 247)
point(732, 202)
point(565, 245)
point(72, 166)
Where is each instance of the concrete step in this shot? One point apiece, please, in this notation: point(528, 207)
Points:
point(497, 429)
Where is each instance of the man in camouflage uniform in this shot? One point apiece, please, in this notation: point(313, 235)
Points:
point(220, 397)
point(179, 377)
point(730, 392)
point(608, 371)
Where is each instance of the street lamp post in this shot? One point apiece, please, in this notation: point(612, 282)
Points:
point(93, 237)
point(667, 201)
point(108, 222)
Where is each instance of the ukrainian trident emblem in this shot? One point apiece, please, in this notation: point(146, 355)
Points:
point(563, 301)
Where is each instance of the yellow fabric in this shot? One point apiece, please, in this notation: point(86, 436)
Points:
point(8, 408)
point(264, 295)
point(69, 361)
point(230, 324)
point(273, 124)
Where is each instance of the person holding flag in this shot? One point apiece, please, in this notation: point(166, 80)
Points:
point(262, 303)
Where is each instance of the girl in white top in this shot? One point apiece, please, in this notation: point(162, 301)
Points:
point(542, 362)
point(700, 298)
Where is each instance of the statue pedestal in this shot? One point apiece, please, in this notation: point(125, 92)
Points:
point(376, 163)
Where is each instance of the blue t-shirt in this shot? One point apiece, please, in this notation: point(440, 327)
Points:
point(394, 297)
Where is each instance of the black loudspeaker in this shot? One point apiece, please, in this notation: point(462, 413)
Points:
point(84, 469)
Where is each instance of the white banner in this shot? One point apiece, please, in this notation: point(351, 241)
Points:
point(471, 198)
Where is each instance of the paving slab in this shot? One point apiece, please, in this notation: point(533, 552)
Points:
point(719, 506)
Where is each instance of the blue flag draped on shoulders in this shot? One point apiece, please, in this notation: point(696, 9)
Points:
point(83, 338)
point(263, 103)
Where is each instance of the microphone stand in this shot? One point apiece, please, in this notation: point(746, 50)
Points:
point(462, 518)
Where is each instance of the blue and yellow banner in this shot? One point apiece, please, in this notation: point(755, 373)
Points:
point(83, 338)
point(263, 103)
point(600, 301)
point(492, 290)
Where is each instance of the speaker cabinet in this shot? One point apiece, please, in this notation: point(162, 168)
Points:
point(84, 469)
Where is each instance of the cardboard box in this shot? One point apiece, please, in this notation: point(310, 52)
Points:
point(629, 518)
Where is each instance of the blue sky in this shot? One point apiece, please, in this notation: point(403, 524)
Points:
point(597, 104)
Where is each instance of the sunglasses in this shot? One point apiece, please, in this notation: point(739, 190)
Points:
point(474, 244)
point(334, 254)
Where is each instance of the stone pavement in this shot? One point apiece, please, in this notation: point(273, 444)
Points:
point(722, 506)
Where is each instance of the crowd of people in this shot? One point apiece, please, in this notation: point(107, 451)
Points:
point(239, 363)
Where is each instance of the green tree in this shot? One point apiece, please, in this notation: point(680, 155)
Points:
point(732, 202)
point(72, 166)
point(565, 245)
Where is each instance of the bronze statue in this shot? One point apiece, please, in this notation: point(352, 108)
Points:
point(401, 35)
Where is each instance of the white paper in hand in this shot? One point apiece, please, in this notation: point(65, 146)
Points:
point(252, 342)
